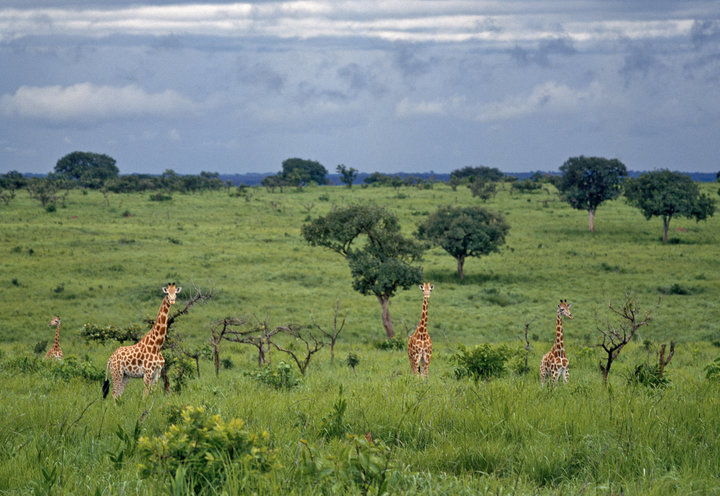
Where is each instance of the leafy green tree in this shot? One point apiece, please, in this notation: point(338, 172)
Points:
point(465, 232)
point(88, 169)
point(347, 176)
point(12, 180)
point(379, 266)
point(299, 172)
point(666, 194)
point(586, 182)
point(482, 173)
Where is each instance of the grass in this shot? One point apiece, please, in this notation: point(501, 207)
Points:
point(105, 262)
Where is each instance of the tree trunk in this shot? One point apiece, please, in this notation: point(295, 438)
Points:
point(591, 220)
point(666, 224)
point(461, 263)
point(387, 321)
point(216, 359)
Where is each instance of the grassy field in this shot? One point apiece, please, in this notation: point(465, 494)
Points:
point(104, 260)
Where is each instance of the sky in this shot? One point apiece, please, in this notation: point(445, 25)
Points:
point(388, 86)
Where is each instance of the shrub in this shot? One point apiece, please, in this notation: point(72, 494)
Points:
point(40, 347)
point(396, 343)
point(649, 376)
point(333, 424)
point(205, 449)
point(282, 376)
point(67, 368)
point(94, 332)
point(482, 361)
point(712, 371)
point(159, 197)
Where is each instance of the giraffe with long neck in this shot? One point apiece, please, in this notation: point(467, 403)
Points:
point(420, 344)
point(143, 359)
point(555, 363)
point(55, 351)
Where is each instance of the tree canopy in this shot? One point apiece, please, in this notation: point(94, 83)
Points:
point(666, 194)
point(481, 173)
point(88, 169)
point(586, 182)
point(379, 266)
point(347, 175)
point(465, 232)
point(300, 172)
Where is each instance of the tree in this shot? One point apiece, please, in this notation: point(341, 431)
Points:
point(472, 174)
point(347, 176)
point(665, 194)
point(381, 265)
point(88, 169)
point(586, 182)
point(465, 232)
point(299, 172)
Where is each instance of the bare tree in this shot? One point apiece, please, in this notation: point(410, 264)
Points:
point(332, 336)
point(615, 337)
point(217, 333)
point(527, 346)
point(662, 361)
point(311, 342)
point(259, 336)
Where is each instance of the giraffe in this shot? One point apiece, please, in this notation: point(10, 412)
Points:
point(142, 359)
point(420, 344)
point(555, 363)
point(55, 351)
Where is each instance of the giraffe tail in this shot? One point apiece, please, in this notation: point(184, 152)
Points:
point(106, 384)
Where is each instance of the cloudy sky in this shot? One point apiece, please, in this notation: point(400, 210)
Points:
point(382, 86)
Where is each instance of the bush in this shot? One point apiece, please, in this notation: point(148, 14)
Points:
point(94, 332)
point(712, 371)
point(67, 368)
point(396, 343)
point(649, 376)
point(482, 361)
point(283, 376)
point(203, 449)
point(160, 197)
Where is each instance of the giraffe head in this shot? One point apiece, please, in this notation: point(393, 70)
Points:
point(55, 322)
point(426, 288)
point(564, 309)
point(171, 291)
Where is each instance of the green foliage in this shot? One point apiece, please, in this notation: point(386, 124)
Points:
point(333, 424)
point(589, 181)
point(347, 175)
point(160, 197)
point(667, 194)
point(361, 462)
point(206, 448)
point(712, 370)
point(299, 172)
point(481, 174)
point(465, 232)
point(649, 376)
point(94, 332)
point(526, 186)
point(281, 376)
point(484, 190)
point(40, 347)
point(482, 361)
point(68, 368)
point(127, 447)
point(395, 343)
point(87, 169)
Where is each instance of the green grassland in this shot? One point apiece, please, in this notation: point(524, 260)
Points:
point(104, 259)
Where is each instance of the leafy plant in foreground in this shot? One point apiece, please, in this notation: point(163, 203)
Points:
point(206, 447)
point(482, 361)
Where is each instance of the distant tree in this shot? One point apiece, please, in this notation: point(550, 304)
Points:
point(272, 182)
point(483, 189)
point(380, 266)
point(299, 172)
point(482, 173)
point(347, 176)
point(586, 182)
point(378, 179)
point(12, 180)
point(718, 180)
point(88, 169)
point(665, 194)
point(464, 232)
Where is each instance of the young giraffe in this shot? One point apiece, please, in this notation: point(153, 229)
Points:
point(55, 351)
point(144, 358)
point(420, 344)
point(555, 363)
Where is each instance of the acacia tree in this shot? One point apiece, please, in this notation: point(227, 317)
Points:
point(465, 232)
point(665, 194)
point(379, 266)
point(586, 182)
point(347, 176)
point(300, 172)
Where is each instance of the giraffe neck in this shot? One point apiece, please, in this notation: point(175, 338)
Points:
point(57, 335)
point(422, 326)
point(559, 333)
point(156, 337)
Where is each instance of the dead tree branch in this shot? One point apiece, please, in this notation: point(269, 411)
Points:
point(332, 336)
point(615, 337)
point(311, 342)
point(259, 336)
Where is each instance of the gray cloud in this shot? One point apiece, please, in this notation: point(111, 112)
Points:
point(541, 54)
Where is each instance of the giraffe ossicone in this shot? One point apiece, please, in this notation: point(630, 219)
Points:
point(420, 344)
point(555, 363)
point(143, 359)
point(55, 351)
